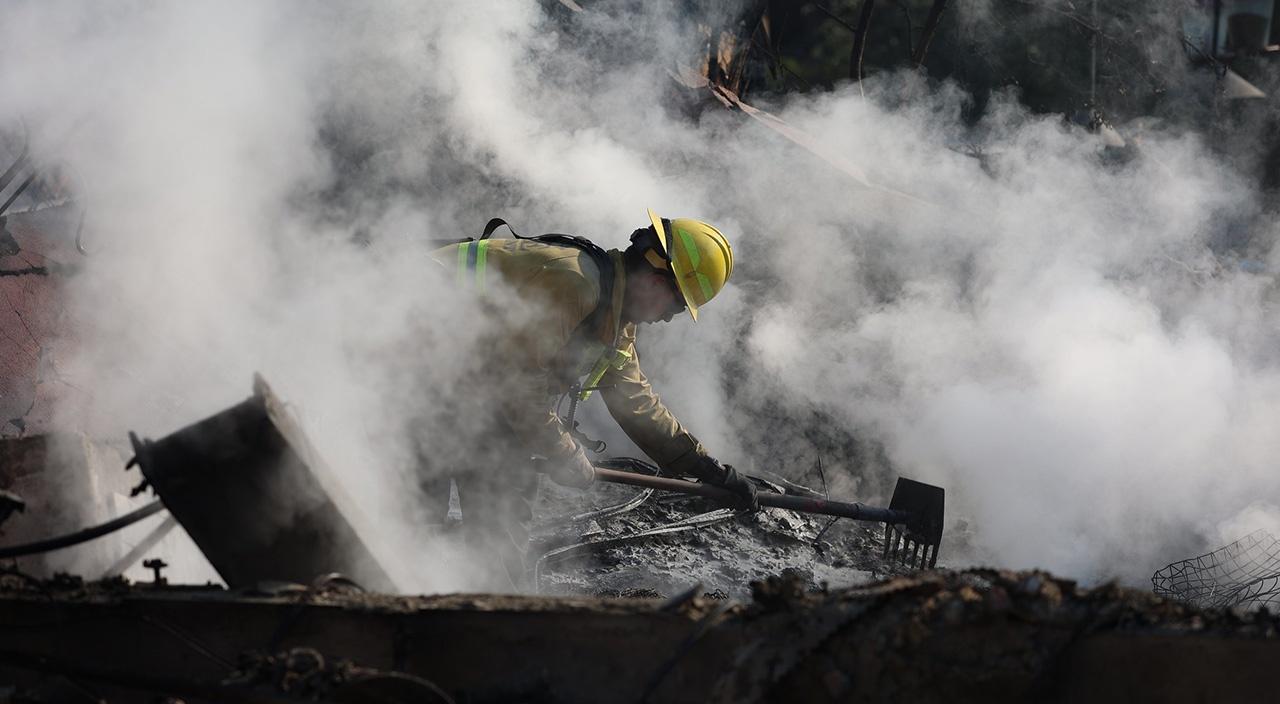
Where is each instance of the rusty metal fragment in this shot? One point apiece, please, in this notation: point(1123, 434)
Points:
point(243, 484)
point(1244, 574)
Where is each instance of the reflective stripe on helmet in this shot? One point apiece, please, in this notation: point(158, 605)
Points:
point(691, 251)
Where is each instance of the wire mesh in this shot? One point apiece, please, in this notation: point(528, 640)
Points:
point(1245, 573)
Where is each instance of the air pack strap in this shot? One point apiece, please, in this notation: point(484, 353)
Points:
point(471, 264)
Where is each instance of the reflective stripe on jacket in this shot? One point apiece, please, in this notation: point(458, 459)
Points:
point(537, 355)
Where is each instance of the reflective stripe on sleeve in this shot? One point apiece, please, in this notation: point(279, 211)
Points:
point(471, 263)
point(482, 250)
point(462, 262)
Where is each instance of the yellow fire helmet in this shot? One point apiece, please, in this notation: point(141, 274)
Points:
point(700, 257)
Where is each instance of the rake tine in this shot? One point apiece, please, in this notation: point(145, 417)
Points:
point(903, 546)
point(923, 506)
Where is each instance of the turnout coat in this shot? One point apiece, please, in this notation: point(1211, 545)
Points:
point(553, 331)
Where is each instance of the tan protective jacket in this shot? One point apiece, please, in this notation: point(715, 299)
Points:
point(537, 356)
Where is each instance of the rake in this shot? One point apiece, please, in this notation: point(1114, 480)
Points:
point(913, 521)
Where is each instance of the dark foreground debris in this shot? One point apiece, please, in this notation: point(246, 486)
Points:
point(978, 635)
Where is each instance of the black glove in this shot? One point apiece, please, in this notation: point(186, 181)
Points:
point(710, 470)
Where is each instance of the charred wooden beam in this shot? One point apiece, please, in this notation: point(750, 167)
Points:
point(977, 636)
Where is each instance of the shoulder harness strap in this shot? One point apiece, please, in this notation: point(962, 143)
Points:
point(593, 322)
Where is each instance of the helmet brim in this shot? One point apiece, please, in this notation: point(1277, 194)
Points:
point(664, 242)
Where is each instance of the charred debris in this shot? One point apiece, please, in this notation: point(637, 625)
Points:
point(976, 635)
point(309, 612)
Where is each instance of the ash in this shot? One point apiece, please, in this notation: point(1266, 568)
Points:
point(668, 543)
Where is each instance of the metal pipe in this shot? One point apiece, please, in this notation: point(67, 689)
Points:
point(17, 193)
point(17, 166)
point(856, 511)
point(81, 536)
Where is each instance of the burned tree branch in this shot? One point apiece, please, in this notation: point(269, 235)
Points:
point(906, 15)
point(930, 28)
point(860, 39)
point(839, 20)
point(777, 61)
point(1086, 24)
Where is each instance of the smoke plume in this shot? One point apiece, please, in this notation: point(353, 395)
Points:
point(1044, 333)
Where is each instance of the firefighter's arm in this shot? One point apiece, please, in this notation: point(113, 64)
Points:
point(643, 417)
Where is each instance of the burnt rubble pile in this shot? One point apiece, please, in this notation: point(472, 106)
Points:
point(741, 607)
point(304, 674)
point(627, 554)
point(1000, 635)
point(976, 635)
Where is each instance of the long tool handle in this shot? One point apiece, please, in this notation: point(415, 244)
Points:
point(856, 511)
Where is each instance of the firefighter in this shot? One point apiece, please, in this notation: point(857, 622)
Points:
point(571, 331)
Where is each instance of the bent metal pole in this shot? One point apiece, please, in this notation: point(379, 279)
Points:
point(856, 511)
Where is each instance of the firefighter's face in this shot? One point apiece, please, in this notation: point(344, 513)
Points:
point(653, 297)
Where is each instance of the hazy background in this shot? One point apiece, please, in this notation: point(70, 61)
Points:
point(1048, 337)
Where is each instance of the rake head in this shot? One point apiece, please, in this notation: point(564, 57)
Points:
point(915, 543)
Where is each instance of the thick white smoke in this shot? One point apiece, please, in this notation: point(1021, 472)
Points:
point(1047, 337)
